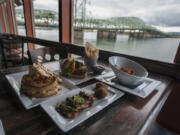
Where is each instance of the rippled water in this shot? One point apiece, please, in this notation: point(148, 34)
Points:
point(162, 49)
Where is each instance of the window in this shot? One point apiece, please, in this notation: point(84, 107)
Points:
point(46, 19)
point(143, 28)
point(20, 18)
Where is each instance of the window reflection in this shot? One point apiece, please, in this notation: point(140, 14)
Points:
point(141, 28)
point(46, 19)
point(20, 18)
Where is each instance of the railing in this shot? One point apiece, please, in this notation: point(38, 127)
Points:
point(155, 66)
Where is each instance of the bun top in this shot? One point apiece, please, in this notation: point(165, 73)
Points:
point(68, 66)
point(38, 76)
point(73, 67)
point(37, 68)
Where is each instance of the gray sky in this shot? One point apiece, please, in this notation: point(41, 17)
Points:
point(155, 12)
point(46, 4)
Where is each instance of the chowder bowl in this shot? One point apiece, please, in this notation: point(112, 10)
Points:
point(140, 73)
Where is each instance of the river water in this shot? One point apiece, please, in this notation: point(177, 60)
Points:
point(162, 49)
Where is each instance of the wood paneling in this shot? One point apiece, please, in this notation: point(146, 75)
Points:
point(169, 115)
point(65, 21)
point(3, 27)
point(14, 16)
point(10, 12)
point(29, 22)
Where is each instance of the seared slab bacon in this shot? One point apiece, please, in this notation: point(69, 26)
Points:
point(75, 104)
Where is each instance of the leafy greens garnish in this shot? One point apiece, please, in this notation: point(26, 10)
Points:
point(78, 100)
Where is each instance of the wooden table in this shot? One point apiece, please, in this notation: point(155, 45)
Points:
point(128, 116)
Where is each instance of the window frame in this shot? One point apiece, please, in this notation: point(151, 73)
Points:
point(65, 26)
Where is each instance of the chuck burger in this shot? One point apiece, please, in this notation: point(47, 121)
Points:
point(73, 68)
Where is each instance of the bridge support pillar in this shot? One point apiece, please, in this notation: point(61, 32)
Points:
point(102, 34)
point(79, 34)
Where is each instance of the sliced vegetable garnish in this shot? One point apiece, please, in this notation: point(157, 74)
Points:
point(78, 100)
point(69, 69)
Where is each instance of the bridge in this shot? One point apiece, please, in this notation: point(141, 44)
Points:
point(110, 28)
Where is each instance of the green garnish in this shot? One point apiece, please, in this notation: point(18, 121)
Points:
point(78, 100)
point(58, 104)
point(68, 107)
point(71, 108)
point(69, 69)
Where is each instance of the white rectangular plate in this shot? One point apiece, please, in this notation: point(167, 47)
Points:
point(15, 81)
point(66, 124)
point(1, 129)
point(143, 90)
point(77, 81)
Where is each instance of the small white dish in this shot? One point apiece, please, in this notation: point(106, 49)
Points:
point(140, 73)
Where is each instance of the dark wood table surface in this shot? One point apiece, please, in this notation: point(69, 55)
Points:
point(126, 116)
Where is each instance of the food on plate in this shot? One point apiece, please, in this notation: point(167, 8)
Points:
point(100, 84)
point(91, 51)
point(40, 82)
point(73, 105)
point(73, 68)
point(127, 70)
point(59, 80)
point(97, 70)
point(101, 90)
point(91, 55)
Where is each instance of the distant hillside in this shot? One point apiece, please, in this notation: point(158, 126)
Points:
point(40, 14)
point(130, 20)
point(114, 21)
point(174, 33)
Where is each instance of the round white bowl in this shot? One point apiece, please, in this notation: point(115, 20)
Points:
point(140, 73)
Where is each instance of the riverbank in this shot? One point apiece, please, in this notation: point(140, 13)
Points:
point(43, 25)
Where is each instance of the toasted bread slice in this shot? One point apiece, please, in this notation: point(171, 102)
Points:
point(40, 82)
point(39, 76)
point(44, 88)
point(37, 81)
point(42, 94)
point(37, 68)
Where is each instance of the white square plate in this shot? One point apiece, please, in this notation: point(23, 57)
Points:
point(66, 124)
point(15, 81)
point(1, 129)
point(144, 89)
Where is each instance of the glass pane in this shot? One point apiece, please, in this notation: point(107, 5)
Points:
point(46, 19)
point(20, 18)
point(144, 28)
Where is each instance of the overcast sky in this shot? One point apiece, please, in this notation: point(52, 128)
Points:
point(46, 4)
point(155, 12)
